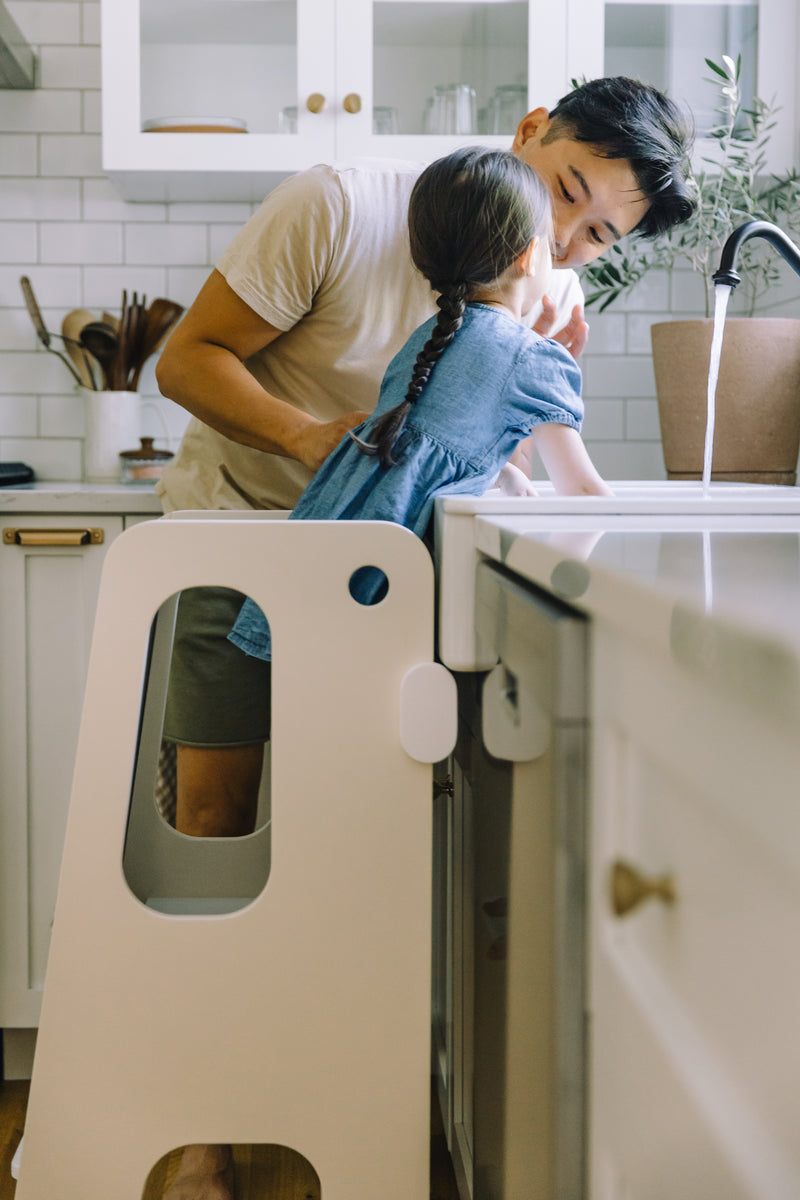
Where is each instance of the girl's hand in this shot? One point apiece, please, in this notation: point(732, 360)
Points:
point(513, 482)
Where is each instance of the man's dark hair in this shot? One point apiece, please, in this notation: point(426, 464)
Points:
point(622, 118)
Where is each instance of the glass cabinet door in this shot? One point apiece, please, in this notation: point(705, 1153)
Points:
point(666, 44)
point(216, 86)
point(421, 75)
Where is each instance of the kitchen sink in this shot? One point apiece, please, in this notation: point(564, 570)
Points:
point(645, 497)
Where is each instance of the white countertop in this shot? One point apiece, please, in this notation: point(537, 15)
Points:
point(716, 590)
point(79, 498)
point(719, 595)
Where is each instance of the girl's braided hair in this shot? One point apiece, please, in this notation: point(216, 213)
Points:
point(471, 215)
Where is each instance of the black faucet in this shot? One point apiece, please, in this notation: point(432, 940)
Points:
point(763, 229)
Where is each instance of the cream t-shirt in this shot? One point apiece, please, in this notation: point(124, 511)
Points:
point(326, 259)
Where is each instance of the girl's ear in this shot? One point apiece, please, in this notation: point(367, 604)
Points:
point(527, 260)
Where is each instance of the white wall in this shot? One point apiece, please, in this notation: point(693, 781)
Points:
point(63, 224)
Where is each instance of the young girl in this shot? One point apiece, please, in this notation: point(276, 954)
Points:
point(480, 379)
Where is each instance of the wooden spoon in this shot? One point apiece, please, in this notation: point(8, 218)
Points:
point(158, 321)
point(102, 342)
point(85, 363)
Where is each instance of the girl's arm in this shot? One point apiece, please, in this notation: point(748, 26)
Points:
point(567, 461)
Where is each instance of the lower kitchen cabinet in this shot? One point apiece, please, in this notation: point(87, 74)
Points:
point(695, 902)
point(50, 567)
point(615, 979)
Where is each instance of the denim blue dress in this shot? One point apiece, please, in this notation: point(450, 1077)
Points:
point(492, 386)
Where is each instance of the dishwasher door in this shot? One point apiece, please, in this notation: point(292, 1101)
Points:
point(524, 749)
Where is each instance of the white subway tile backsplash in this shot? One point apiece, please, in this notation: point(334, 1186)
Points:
point(81, 242)
point(40, 199)
point(619, 376)
point(16, 330)
point(641, 420)
point(55, 287)
point(18, 241)
point(69, 66)
point(77, 154)
point(39, 373)
point(102, 202)
point(639, 325)
point(38, 111)
point(62, 416)
point(47, 23)
point(92, 112)
point(18, 154)
point(628, 460)
point(91, 23)
point(52, 459)
point(171, 244)
point(604, 420)
point(234, 215)
point(103, 285)
point(606, 333)
point(183, 283)
point(18, 416)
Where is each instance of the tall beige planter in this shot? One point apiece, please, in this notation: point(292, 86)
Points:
point(757, 429)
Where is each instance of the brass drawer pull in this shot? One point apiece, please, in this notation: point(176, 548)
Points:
point(315, 102)
point(352, 102)
point(630, 888)
point(53, 537)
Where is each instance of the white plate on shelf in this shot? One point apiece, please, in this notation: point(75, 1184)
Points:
point(194, 125)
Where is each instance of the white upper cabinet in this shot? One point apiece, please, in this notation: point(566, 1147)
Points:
point(310, 81)
point(666, 44)
point(249, 91)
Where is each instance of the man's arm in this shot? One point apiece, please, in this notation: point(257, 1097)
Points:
point(202, 368)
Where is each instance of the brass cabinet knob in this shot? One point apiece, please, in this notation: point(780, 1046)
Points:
point(352, 102)
point(315, 102)
point(630, 888)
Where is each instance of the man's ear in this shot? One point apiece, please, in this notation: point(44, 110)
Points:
point(536, 122)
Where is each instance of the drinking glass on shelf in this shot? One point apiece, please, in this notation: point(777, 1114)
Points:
point(385, 119)
point(508, 104)
point(453, 108)
point(287, 119)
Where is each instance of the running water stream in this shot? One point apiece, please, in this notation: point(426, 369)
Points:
point(722, 295)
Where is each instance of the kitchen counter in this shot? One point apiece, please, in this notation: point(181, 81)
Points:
point(80, 498)
point(718, 594)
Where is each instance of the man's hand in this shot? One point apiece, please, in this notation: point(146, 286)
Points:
point(319, 439)
point(573, 336)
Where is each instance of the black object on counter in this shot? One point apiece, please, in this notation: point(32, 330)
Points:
point(15, 473)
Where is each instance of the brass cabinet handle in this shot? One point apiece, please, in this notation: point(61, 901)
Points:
point(352, 102)
point(315, 102)
point(53, 537)
point(630, 888)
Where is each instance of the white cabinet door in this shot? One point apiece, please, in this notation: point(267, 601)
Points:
point(694, 1003)
point(48, 595)
point(667, 44)
point(312, 81)
point(268, 64)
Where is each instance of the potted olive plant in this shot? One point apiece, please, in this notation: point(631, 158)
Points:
point(757, 433)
